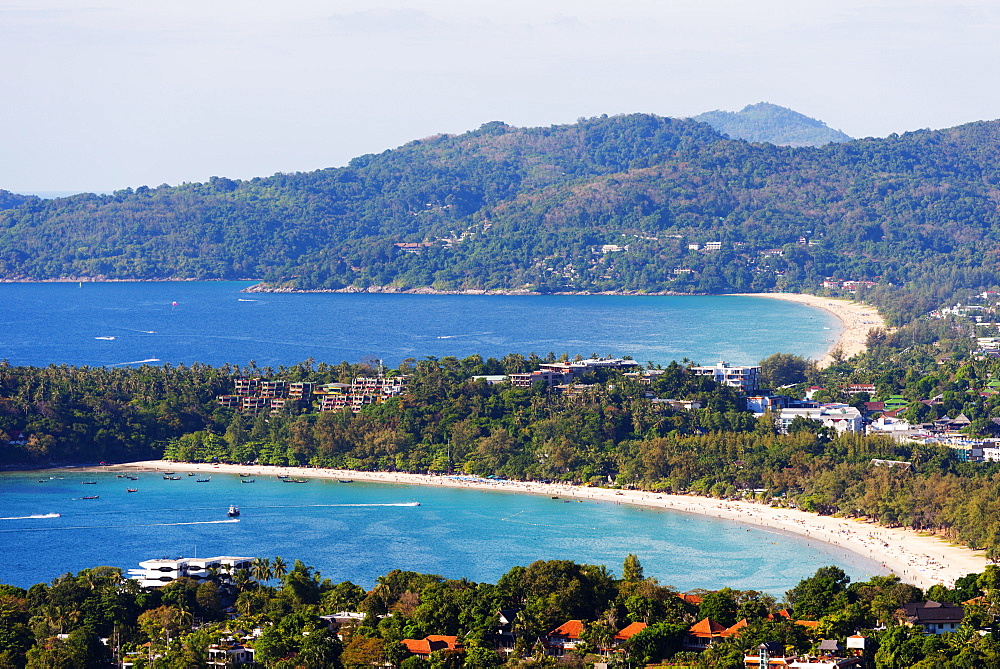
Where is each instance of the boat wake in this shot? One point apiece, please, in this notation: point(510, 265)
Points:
point(240, 299)
point(40, 515)
point(105, 338)
point(135, 362)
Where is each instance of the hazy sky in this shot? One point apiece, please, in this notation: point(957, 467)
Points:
point(103, 94)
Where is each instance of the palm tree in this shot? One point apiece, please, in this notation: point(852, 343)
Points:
point(278, 567)
point(261, 569)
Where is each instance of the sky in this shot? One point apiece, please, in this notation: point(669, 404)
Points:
point(97, 95)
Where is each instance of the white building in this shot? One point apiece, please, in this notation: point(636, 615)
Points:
point(744, 379)
point(161, 571)
point(841, 417)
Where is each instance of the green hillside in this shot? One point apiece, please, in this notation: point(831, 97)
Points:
point(765, 122)
point(608, 203)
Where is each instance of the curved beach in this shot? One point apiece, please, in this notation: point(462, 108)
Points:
point(920, 559)
point(856, 318)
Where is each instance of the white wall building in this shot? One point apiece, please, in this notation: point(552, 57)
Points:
point(841, 417)
point(744, 379)
point(160, 571)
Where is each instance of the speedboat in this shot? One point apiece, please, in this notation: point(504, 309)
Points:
point(131, 490)
point(234, 511)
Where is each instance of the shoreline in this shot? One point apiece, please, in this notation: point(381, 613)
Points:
point(856, 318)
point(919, 559)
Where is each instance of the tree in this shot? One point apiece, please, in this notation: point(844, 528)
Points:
point(782, 369)
point(819, 594)
point(631, 569)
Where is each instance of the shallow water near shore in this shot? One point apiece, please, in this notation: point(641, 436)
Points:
point(359, 531)
point(111, 324)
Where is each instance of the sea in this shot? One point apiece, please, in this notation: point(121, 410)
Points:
point(112, 324)
point(360, 531)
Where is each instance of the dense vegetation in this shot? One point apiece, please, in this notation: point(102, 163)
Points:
point(765, 122)
point(534, 208)
point(61, 624)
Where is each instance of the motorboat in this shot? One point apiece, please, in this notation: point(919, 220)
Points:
point(234, 511)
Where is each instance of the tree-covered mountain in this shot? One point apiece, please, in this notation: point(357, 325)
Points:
point(766, 122)
point(607, 203)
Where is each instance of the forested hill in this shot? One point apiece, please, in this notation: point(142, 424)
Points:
point(766, 122)
point(608, 203)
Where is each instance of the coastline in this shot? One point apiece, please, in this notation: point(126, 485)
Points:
point(919, 559)
point(856, 318)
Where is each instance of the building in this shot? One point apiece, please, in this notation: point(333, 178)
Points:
point(934, 617)
point(745, 379)
point(430, 643)
point(841, 417)
point(157, 572)
point(565, 637)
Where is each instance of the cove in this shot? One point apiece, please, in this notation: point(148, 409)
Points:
point(359, 531)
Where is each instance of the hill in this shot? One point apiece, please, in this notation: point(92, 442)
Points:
point(605, 204)
point(765, 122)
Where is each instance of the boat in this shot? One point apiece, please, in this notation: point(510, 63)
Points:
point(345, 481)
point(120, 476)
point(282, 476)
point(172, 478)
point(245, 475)
point(131, 490)
point(248, 480)
point(42, 480)
point(90, 483)
point(132, 478)
point(204, 480)
point(555, 497)
point(105, 338)
point(91, 497)
point(190, 473)
point(234, 511)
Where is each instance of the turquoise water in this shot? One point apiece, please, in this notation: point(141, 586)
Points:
point(348, 532)
point(213, 322)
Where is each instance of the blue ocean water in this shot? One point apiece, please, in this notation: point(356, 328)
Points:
point(104, 324)
point(360, 531)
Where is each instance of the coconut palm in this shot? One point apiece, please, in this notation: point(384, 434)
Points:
point(278, 567)
point(261, 569)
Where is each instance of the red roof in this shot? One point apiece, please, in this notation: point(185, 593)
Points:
point(707, 628)
point(735, 629)
point(690, 599)
point(570, 629)
point(630, 631)
point(430, 643)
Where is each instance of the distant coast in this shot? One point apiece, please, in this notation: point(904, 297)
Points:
point(921, 559)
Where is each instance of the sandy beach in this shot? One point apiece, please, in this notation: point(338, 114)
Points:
point(918, 559)
point(857, 320)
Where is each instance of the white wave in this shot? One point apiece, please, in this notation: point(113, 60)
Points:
point(240, 299)
point(40, 515)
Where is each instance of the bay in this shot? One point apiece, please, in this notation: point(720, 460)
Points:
point(109, 324)
point(360, 531)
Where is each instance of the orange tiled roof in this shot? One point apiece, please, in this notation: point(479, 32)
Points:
point(417, 646)
point(690, 599)
point(811, 624)
point(570, 629)
point(735, 629)
point(451, 641)
point(630, 631)
point(707, 628)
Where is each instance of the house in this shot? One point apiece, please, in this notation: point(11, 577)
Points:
point(703, 634)
point(431, 643)
point(628, 632)
point(855, 388)
point(229, 653)
point(505, 636)
point(743, 378)
point(934, 617)
point(565, 637)
point(772, 656)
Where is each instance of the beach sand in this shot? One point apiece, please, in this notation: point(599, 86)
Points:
point(916, 558)
point(857, 320)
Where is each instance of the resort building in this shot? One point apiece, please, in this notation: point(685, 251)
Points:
point(745, 379)
point(934, 617)
point(157, 572)
point(841, 417)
